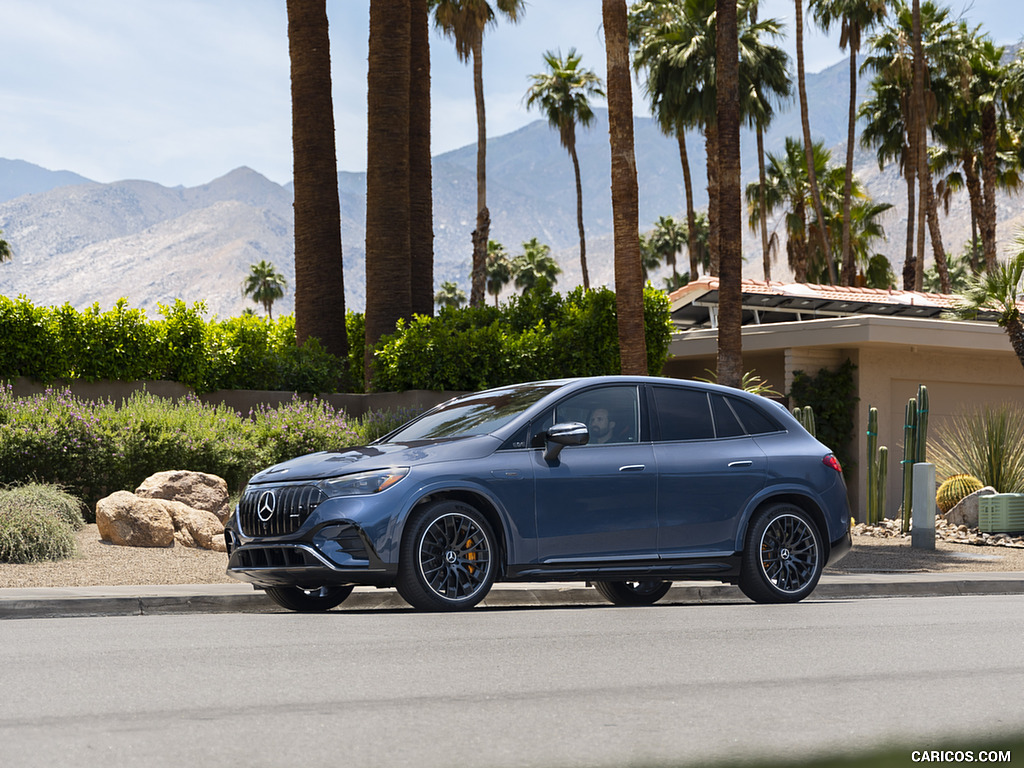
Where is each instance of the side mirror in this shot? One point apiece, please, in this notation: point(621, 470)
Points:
point(561, 435)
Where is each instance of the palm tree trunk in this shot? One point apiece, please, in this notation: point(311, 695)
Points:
point(974, 194)
point(849, 268)
point(421, 200)
point(1015, 330)
point(988, 175)
point(808, 145)
point(388, 294)
point(934, 231)
point(799, 250)
point(766, 256)
point(319, 278)
point(483, 216)
point(920, 127)
point(579, 215)
point(711, 150)
point(625, 196)
point(691, 217)
point(909, 260)
point(730, 228)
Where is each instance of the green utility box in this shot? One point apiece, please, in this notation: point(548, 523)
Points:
point(1001, 513)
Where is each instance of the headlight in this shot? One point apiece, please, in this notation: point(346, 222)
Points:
point(363, 483)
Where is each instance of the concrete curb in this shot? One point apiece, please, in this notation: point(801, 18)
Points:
point(241, 598)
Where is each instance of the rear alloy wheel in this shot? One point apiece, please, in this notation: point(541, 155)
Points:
point(633, 592)
point(783, 559)
point(313, 600)
point(447, 561)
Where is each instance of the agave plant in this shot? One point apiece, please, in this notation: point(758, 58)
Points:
point(987, 442)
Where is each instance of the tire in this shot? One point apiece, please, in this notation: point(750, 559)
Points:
point(309, 600)
point(783, 557)
point(633, 592)
point(448, 559)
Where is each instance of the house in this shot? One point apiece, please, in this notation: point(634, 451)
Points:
point(896, 339)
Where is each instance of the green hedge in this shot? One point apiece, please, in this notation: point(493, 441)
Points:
point(538, 336)
point(122, 344)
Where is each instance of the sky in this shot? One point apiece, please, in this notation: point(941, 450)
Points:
point(182, 93)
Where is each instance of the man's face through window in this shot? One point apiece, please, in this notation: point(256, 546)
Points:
point(600, 426)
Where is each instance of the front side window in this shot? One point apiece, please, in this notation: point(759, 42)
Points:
point(612, 414)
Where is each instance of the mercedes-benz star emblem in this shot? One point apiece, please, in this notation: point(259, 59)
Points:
point(265, 506)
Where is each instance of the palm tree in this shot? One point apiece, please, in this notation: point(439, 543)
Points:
point(650, 258)
point(999, 290)
point(264, 285)
point(5, 250)
point(808, 144)
point(421, 200)
point(855, 17)
point(319, 279)
point(388, 273)
point(562, 94)
point(499, 269)
point(676, 46)
point(450, 295)
point(730, 208)
point(534, 264)
point(629, 295)
point(892, 111)
point(464, 22)
point(667, 240)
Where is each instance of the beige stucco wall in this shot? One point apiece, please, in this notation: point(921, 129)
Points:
point(957, 381)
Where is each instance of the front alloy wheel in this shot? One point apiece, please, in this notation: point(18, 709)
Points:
point(447, 560)
point(783, 559)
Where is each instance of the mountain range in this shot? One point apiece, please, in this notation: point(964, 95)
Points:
point(78, 241)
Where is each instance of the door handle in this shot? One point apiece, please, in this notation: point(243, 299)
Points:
point(633, 468)
point(741, 463)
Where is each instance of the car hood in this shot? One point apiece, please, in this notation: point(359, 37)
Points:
point(318, 466)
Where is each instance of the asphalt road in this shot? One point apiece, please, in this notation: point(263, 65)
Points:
point(512, 687)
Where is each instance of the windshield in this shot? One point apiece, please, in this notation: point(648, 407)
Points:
point(477, 414)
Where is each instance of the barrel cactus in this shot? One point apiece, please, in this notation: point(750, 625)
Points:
point(954, 490)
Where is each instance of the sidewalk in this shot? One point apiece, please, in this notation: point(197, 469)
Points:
point(232, 598)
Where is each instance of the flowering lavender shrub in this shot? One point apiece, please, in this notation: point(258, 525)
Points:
point(299, 427)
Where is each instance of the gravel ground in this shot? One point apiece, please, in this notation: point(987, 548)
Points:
point(102, 564)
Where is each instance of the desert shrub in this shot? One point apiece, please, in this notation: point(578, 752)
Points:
point(987, 442)
point(37, 523)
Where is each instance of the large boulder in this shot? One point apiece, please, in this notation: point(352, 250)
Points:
point(966, 512)
point(126, 519)
point(198, 490)
point(196, 527)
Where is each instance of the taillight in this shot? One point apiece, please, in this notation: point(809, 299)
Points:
point(831, 461)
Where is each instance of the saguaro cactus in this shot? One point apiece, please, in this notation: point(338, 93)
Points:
point(909, 456)
point(921, 454)
point(805, 416)
point(877, 470)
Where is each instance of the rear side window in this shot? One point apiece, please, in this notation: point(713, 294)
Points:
point(754, 420)
point(683, 414)
point(726, 423)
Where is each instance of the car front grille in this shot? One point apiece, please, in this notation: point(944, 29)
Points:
point(272, 557)
point(277, 511)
